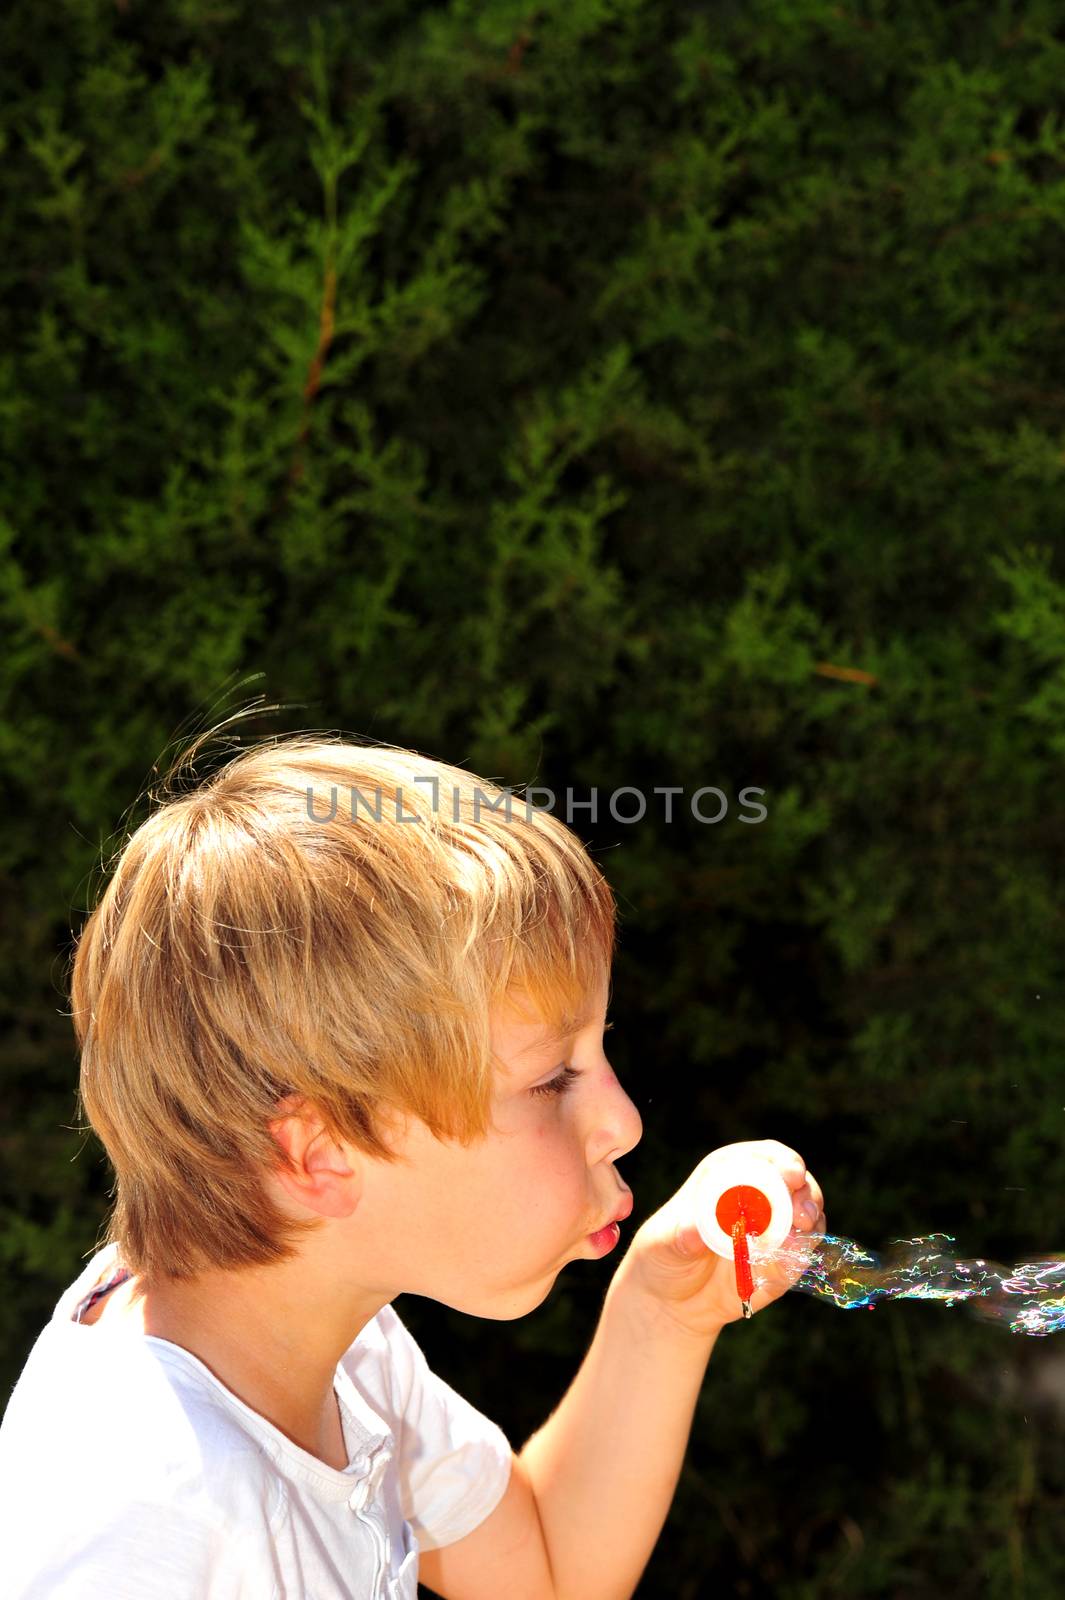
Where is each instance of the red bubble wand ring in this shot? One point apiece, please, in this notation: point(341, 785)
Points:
point(740, 1198)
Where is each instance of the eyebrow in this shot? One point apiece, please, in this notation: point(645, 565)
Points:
point(550, 1037)
point(570, 1026)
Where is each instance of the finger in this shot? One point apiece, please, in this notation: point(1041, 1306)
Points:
point(790, 1162)
point(807, 1202)
point(804, 1209)
point(803, 1239)
point(795, 1256)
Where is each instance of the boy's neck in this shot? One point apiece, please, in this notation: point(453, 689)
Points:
point(255, 1333)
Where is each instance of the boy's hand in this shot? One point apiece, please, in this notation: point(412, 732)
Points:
point(668, 1263)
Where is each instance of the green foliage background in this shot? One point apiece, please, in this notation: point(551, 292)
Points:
point(596, 393)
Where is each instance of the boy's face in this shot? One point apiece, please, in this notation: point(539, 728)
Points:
point(487, 1229)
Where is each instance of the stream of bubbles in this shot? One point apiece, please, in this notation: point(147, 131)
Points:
point(1027, 1298)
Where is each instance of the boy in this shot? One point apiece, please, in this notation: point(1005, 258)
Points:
point(341, 1029)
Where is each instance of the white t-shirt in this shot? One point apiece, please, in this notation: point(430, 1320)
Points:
point(129, 1472)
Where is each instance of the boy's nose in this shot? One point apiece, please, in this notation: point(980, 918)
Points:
point(620, 1123)
point(635, 1126)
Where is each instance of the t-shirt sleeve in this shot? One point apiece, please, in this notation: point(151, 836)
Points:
point(454, 1462)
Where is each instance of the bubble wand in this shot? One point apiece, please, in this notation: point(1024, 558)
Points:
point(743, 1211)
point(742, 1198)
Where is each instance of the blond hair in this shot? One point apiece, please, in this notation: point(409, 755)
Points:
point(251, 945)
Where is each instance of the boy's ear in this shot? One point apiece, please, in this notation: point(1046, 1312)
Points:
point(322, 1177)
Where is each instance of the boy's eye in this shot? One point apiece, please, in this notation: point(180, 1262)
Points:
point(558, 1085)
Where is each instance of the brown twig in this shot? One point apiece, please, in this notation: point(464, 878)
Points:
point(846, 674)
point(61, 646)
point(326, 325)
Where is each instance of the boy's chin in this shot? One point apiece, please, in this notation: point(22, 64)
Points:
point(509, 1305)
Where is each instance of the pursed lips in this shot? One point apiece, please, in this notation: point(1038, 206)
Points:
point(622, 1210)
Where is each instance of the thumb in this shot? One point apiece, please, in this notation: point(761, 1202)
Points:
point(688, 1241)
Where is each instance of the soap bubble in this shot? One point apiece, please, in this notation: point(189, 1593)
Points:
point(1028, 1298)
